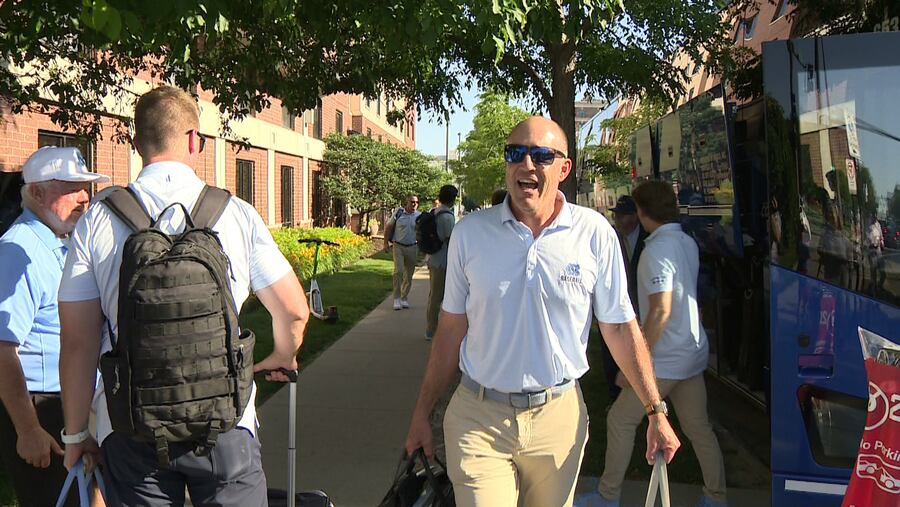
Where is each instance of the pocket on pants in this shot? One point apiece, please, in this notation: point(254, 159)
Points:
point(236, 454)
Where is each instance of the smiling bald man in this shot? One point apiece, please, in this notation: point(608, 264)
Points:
point(522, 280)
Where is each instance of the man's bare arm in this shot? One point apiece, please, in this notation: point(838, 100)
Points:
point(286, 302)
point(81, 325)
point(630, 351)
point(658, 317)
point(34, 444)
point(443, 363)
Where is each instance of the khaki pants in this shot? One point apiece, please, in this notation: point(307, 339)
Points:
point(689, 400)
point(404, 267)
point(497, 454)
point(435, 297)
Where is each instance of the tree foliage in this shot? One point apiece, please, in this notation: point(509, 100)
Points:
point(297, 50)
point(481, 168)
point(370, 176)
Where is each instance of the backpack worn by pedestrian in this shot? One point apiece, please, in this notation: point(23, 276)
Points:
point(178, 371)
point(427, 234)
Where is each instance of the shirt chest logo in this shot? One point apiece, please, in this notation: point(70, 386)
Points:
point(571, 273)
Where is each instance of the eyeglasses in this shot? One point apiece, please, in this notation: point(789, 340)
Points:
point(541, 155)
point(200, 137)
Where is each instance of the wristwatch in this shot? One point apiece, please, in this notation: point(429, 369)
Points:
point(77, 438)
point(659, 408)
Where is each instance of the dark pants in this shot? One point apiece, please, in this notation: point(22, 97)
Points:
point(230, 475)
point(38, 487)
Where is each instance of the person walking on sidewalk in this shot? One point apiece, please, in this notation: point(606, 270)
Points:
point(55, 195)
point(400, 235)
point(667, 294)
point(522, 280)
point(156, 473)
point(437, 262)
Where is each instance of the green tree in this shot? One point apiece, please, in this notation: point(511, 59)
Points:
point(297, 50)
point(370, 176)
point(481, 168)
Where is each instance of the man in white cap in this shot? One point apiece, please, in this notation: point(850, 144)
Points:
point(56, 193)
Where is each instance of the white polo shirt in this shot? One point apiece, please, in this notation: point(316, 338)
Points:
point(95, 254)
point(528, 300)
point(670, 262)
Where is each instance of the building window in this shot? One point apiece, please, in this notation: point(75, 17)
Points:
point(68, 141)
point(379, 138)
point(287, 196)
point(339, 122)
point(368, 103)
point(369, 133)
point(750, 27)
point(378, 107)
point(782, 9)
point(288, 119)
point(244, 180)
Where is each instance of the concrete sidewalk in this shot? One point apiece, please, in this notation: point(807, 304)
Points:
point(354, 406)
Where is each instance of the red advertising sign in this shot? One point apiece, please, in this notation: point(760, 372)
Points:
point(875, 480)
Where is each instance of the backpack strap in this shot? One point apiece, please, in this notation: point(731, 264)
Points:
point(210, 206)
point(123, 203)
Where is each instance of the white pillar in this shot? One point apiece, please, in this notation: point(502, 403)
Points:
point(220, 162)
point(270, 186)
point(307, 192)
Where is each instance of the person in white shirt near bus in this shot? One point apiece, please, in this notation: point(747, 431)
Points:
point(523, 278)
point(670, 315)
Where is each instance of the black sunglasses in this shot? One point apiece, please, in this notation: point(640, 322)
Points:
point(542, 155)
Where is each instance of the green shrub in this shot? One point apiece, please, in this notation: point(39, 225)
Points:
point(331, 258)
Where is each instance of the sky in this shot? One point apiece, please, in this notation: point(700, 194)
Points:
point(431, 131)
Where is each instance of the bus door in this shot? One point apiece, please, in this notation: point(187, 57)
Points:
point(833, 157)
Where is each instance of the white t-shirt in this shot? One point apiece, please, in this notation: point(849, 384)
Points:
point(95, 254)
point(670, 262)
point(528, 300)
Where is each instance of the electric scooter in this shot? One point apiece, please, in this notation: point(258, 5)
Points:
point(315, 294)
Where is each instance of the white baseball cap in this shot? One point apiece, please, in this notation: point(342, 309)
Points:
point(63, 164)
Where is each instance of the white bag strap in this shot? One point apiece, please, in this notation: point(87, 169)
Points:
point(659, 480)
point(84, 482)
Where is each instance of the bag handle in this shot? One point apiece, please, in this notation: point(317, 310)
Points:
point(429, 474)
point(659, 480)
point(84, 482)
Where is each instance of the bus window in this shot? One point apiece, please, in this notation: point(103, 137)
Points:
point(834, 423)
point(844, 227)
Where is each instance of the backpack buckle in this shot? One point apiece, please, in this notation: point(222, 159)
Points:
point(204, 448)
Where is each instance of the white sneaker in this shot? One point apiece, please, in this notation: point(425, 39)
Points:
point(397, 304)
point(404, 303)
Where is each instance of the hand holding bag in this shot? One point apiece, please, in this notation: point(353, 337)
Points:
point(659, 480)
point(428, 487)
point(84, 482)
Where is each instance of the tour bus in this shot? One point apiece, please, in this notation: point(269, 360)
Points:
point(794, 201)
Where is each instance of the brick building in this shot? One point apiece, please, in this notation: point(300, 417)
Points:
point(273, 160)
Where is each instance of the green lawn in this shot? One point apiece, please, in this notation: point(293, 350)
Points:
point(684, 468)
point(356, 290)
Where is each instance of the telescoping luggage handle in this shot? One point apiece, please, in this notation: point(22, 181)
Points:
point(84, 481)
point(659, 480)
point(292, 376)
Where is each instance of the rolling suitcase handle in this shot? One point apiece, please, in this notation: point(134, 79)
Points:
point(659, 480)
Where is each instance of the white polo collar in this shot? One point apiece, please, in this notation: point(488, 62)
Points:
point(662, 229)
point(563, 219)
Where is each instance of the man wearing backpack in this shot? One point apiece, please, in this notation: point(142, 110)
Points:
point(444, 220)
point(223, 467)
point(400, 234)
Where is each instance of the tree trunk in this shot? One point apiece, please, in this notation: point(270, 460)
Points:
point(562, 108)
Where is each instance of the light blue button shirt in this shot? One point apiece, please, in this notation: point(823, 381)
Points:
point(33, 258)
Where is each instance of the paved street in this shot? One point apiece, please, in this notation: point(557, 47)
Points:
point(354, 406)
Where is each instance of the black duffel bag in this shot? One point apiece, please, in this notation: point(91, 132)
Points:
point(426, 487)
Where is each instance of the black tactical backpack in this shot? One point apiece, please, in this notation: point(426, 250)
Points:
point(177, 371)
point(427, 234)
